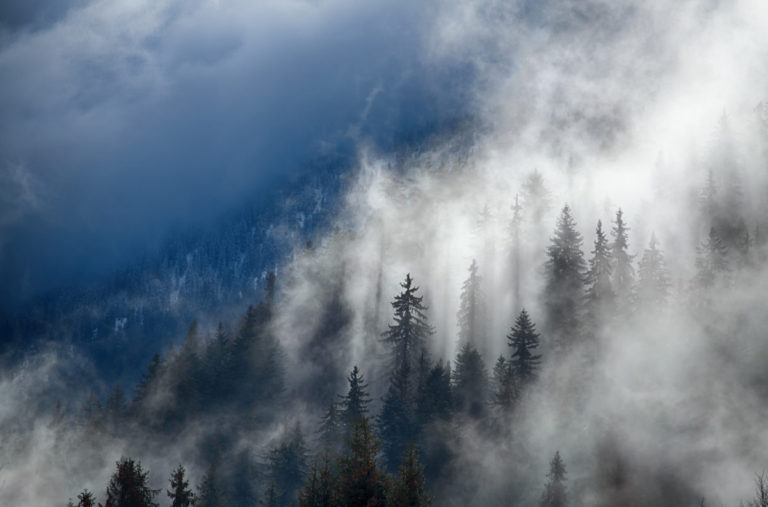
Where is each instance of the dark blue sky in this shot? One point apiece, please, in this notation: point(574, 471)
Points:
point(121, 120)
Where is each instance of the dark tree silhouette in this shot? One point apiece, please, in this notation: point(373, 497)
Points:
point(321, 489)
point(331, 430)
point(524, 339)
point(507, 386)
point(355, 403)
point(288, 466)
point(600, 294)
point(180, 494)
point(411, 329)
point(128, 486)
point(470, 382)
point(554, 492)
point(84, 499)
point(564, 288)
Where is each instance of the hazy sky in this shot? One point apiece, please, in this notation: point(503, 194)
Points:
point(120, 119)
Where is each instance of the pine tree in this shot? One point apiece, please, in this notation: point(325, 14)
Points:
point(653, 280)
point(523, 339)
point(321, 488)
point(600, 295)
point(554, 492)
point(180, 494)
point(361, 482)
point(623, 274)
point(355, 403)
point(128, 486)
point(470, 382)
point(471, 318)
point(408, 487)
point(564, 280)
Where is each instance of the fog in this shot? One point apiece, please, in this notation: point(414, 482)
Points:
point(614, 105)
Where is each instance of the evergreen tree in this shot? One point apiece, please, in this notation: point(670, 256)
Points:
point(623, 273)
point(653, 280)
point(361, 482)
point(288, 466)
point(321, 488)
point(600, 295)
point(434, 398)
point(242, 481)
point(470, 382)
point(564, 280)
point(407, 337)
point(506, 384)
point(411, 329)
point(180, 494)
point(471, 318)
point(711, 261)
point(355, 403)
point(128, 486)
point(84, 499)
point(523, 339)
point(554, 492)
point(408, 487)
point(148, 378)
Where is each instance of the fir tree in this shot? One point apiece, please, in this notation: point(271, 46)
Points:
point(564, 280)
point(523, 339)
point(554, 492)
point(653, 280)
point(128, 486)
point(361, 482)
point(471, 318)
point(434, 399)
point(355, 403)
point(600, 295)
point(408, 487)
point(470, 382)
point(623, 273)
point(180, 494)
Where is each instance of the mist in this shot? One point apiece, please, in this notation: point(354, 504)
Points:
point(643, 107)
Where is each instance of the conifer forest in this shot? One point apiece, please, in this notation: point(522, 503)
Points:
point(338, 254)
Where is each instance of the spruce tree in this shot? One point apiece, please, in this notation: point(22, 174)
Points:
point(471, 318)
point(210, 492)
point(524, 339)
point(410, 331)
point(408, 489)
point(84, 499)
point(711, 261)
point(128, 486)
point(180, 494)
point(434, 398)
point(623, 273)
point(564, 288)
point(554, 492)
point(600, 295)
point(470, 382)
point(653, 280)
point(361, 482)
point(355, 403)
